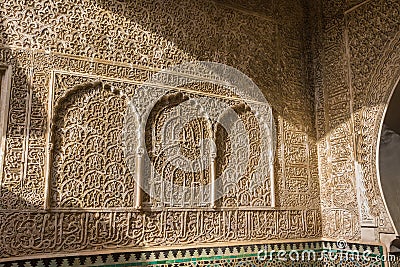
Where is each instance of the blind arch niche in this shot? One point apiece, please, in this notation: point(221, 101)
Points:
point(197, 142)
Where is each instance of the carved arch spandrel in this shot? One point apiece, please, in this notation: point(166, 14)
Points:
point(373, 90)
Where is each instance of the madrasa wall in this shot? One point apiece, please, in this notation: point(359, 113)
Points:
point(57, 49)
point(53, 49)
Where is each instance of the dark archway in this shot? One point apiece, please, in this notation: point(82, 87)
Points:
point(389, 157)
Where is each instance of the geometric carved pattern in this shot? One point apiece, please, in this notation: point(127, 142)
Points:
point(179, 157)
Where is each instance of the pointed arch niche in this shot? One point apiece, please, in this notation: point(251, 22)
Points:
point(86, 164)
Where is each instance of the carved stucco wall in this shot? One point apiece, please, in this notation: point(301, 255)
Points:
point(55, 46)
point(358, 67)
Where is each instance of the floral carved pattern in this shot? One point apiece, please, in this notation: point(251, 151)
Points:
point(88, 169)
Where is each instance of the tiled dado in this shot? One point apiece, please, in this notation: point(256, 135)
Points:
point(282, 254)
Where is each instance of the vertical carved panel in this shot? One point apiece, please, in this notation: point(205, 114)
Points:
point(336, 144)
point(17, 192)
point(5, 76)
point(252, 186)
point(373, 40)
point(296, 161)
point(87, 163)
